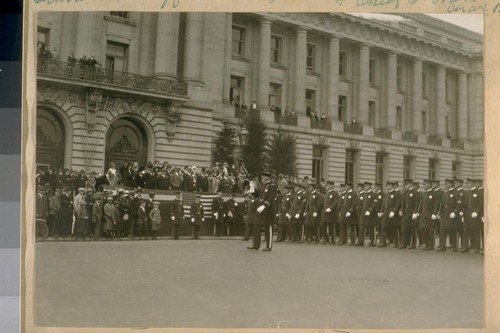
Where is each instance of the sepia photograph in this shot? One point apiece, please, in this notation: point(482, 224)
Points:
point(260, 170)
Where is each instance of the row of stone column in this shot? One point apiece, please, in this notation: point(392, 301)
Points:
point(167, 42)
point(389, 118)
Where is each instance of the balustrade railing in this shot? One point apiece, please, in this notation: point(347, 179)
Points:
point(80, 72)
point(282, 119)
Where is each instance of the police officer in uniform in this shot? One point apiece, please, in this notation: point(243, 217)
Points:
point(376, 210)
point(313, 210)
point(265, 213)
point(460, 192)
point(249, 213)
point(330, 215)
point(410, 206)
point(176, 215)
point(348, 216)
point(390, 214)
point(284, 214)
point(450, 218)
point(197, 216)
point(439, 197)
point(427, 215)
point(366, 212)
point(473, 212)
point(219, 213)
point(296, 213)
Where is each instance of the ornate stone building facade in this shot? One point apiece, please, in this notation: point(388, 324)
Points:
point(369, 99)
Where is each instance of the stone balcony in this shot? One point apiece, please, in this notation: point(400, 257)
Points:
point(324, 124)
point(50, 68)
point(290, 120)
point(410, 137)
point(435, 140)
point(457, 144)
point(353, 129)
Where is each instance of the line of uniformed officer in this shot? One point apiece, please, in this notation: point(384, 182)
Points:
point(403, 218)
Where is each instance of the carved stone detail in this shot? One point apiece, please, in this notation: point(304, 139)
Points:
point(58, 96)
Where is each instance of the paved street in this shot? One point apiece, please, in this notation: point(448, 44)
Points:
point(219, 283)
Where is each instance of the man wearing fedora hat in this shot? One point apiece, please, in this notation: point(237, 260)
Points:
point(265, 213)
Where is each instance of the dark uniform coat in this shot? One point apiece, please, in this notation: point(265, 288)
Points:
point(428, 207)
point(475, 202)
point(392, 203)
point(411, 201)
point(377, 206)
point(314, 205)
point(451, 203)
point(286, 205)
point(349, 205)
point(298, 207)
point(196, 213)
point(368, 206)
point(177, 211)
point(267, 199)
point(331, 202)
point(218, 207)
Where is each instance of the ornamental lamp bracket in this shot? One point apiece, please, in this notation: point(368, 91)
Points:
point(172, 116)
point(94, 102)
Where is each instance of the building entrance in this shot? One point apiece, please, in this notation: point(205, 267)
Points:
point(126, 140)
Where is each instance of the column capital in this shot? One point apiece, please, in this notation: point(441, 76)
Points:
point(301, 28)
point(266, 20)
point(420, 60)
point(363, 46)
point(333, 37)
point(391, 53)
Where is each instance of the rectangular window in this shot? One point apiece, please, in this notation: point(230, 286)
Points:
point(379, 167)
point(447, 126)
point(274, 94)
point(43, 36)
point(311, 55)
point(371, 113)
point(349, 165)
point(408, 167)
point(433, 169)
point(276, 47)
point(342, 108)
point(236, 90)
point(310, 102)
point(318, 162)
point(399, 118)
point(424, 122)
point(371, 73)
point(342, 64)
point(120, 14)
point(238, 41)
point(424, 86)
point(456, 169)
point(399, 78)
point(116, 56)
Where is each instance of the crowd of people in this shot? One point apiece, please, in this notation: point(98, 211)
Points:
point(77, 205)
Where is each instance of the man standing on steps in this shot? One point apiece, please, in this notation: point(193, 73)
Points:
point(265, 213)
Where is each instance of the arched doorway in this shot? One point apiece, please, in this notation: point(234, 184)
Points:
point(126, 140)
point(50, 140)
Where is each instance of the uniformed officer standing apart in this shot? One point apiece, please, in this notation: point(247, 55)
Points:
point(450, 216)
point(197, 216)
point(265, 213)
point(330, 215)
point(176, 215)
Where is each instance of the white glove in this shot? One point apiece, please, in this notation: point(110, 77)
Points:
point(260, 209)
point(452, 215)
point(461, 213)
point(173, 218)
point(391, 215)
point(288, 216)
point(413, 216)
point(223, 215)
point(474, 215)
point(400, 213)
point(230, 214)
point(297, 215)
point(202, 219)
point(328, 210)
point(433, 216)
point(380, 214)
point(235, 204)
point(304, 214)
point(482, 219)
point(347, 214)
point(216, 215)
point(367, 213)
point(192, 220)
point(315, 214)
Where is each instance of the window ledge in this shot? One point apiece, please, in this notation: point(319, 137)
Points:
point(310, 72)
point(278, 66)
point(240, 58)
point(119, 20)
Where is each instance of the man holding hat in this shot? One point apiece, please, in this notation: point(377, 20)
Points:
point(265, 213)
point(197, 215)
point(329, 217)
point(176, 215)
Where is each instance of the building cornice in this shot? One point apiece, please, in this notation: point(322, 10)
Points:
point(379, 35)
